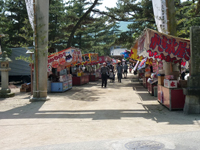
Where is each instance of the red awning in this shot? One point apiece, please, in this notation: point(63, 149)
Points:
point(153, 44)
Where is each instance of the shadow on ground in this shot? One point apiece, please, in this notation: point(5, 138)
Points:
point(155, 112)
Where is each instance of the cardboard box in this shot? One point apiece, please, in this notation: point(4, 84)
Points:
point(183, 83)
point(170, 83)
point(169, 77)
point(25, 89)
point(161, 80)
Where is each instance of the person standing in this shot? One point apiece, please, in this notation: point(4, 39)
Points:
point(104, 74)
point(119, 72)
point(125, 70)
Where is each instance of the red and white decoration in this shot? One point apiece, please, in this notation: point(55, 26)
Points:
point(170, 83)
point(153, 44)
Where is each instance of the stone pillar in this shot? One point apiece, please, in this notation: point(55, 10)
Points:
point(5, 91)
point(41, 52)
point(192, 101)
point(168, 66)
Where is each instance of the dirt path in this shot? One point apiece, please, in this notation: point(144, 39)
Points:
point(88, 113)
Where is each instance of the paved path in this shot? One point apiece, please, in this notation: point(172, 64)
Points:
point(90, 117)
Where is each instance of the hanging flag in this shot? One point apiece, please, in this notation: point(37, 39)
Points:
point(135, 67)
point(142, 64)
point(160, 15)
point(30, 11)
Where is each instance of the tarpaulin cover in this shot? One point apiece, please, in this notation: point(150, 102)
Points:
point(153, 44)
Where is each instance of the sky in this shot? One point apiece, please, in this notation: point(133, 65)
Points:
point(110, 4)
point(107, 3)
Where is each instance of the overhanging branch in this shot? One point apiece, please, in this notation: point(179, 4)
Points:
point(79, 22)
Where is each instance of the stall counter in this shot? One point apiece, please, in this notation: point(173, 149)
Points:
point(150, 87)
point(145, 81)
point(80, 80)
point(64, 84)
point(60, 86)
point(171, 98)
point(94, 77)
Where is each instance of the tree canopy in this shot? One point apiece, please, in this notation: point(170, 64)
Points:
point(79, 23)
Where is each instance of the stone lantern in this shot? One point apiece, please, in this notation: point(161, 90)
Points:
point(4, 61)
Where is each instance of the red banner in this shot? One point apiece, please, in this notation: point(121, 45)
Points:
point(164, 47)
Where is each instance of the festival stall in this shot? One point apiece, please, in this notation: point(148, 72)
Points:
point(91, 61)
point(58, 69)
point(79, 76)
point(170, 49)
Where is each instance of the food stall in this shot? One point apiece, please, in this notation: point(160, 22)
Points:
point(90, 60)
point(60, 78)
point(172, 50)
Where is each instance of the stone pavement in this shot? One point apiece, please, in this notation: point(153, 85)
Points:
point(89, 117)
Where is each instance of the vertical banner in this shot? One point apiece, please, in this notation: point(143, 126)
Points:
point(160, 15)
point(30, 11)
point(142, 64)
point(135, 67)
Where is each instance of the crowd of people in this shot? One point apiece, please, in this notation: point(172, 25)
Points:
point(109, 72)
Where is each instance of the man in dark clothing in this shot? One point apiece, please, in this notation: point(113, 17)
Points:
point(125, 70)
point(104, 74)
point(119, 72)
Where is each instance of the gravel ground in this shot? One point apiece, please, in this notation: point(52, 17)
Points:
point(88, 113)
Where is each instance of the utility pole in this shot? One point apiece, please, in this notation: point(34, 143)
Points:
point(41, 23)
point(168, 67)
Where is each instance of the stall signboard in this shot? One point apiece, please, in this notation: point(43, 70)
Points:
point(101, 59)
point(164, 47)
point(90, 58)
point(65, 57)
point(94, 58)
point(85, 58)
point(65, 85)
point(70, 84)
point(160, 66)
point(155, 66)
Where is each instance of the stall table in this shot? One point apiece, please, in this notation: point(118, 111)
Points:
point(150, 87)
point(80, 80)
point(93, 78)
point(171, 98)
point(145, 81)
point(62, 86)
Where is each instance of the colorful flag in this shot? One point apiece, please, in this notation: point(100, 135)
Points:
point(142, 64)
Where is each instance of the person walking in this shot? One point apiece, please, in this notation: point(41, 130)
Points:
point(119, 72)
point(125, 70)
point(104, 74)
point(130, 68)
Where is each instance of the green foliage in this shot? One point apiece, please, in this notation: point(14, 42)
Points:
point(139, 13)
point(186, 17)
point(26, 59)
